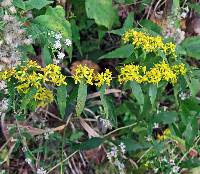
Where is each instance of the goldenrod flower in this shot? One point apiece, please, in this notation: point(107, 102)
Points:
point(103, 78)
point(160, 71)
point(129, 73)
point(6, 75)
point(52, 73)
point(179, 69)
point(34, 76)
point(149, 43)
point(43, 97)
point(83, 73)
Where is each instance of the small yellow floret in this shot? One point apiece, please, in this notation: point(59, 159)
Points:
point(83, 73)
point(103, 78)
point(43, 97)
point(165, 135)
point(149, 43)
point(160, 71)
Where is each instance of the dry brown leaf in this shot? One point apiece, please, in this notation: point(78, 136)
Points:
point(88, 129)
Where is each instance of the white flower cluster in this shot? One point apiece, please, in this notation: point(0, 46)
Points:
point(13, 37)
point(174, 168)
point(3, 105)
point(28, 160)
point(41, 171)
point(58, 46)
point(47, 133)
point(6, 3)
point(156, 125)
point(184, 96)
point(106, 123)
point(113, 156)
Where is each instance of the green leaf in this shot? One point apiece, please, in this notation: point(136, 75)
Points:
point(91, 143)
point(62, 99)
point(195, 7)
point(137, 92)
point(31, 4)
point(81, 98)
point(103, 100)
point(165, 117)
point(128, 24)
point(28, 98)
point(101, 11)
point(132, 145)
point(54, 19)
point(119, 53)
point(46, 55)
point(192, 46)
point(76, 136)
point(193, 85)
point(151, 26)
point(19, 4)
point(76, 35)
point(152, 93)
point(36, 4)
point(128, 2)
point(191, 131)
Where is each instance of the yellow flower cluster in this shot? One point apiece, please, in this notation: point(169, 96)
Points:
point(83, 73)
point(165, 135)
point(34, 76)
point(103, 78)
point(160, 71)
point(149, 43)
point(87, 75)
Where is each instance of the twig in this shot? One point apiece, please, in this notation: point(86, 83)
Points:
point(62, 161)
point(108, 91)
point(116, 130)
point(198, 139)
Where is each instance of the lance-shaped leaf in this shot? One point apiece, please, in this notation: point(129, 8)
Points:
point(62, 99)
point(81, 98)
point(103, 100)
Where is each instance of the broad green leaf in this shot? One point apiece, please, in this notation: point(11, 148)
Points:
point(103, 100)
point(19, 4)
point(193, 85)
point(91, 143)
point(128, 24)
point(192, 46)
point(46, 55)
point(62, 99)
point(31, 4)
point(191, 163)
point(165, 117)
point(132, 145)
point(36, 4)
point(101, 11)
point(81, 98)
point(189, 134)
point(122, 52)
point(137, 92)
point(152, 93)
point(151, 26)
point(54, 19)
